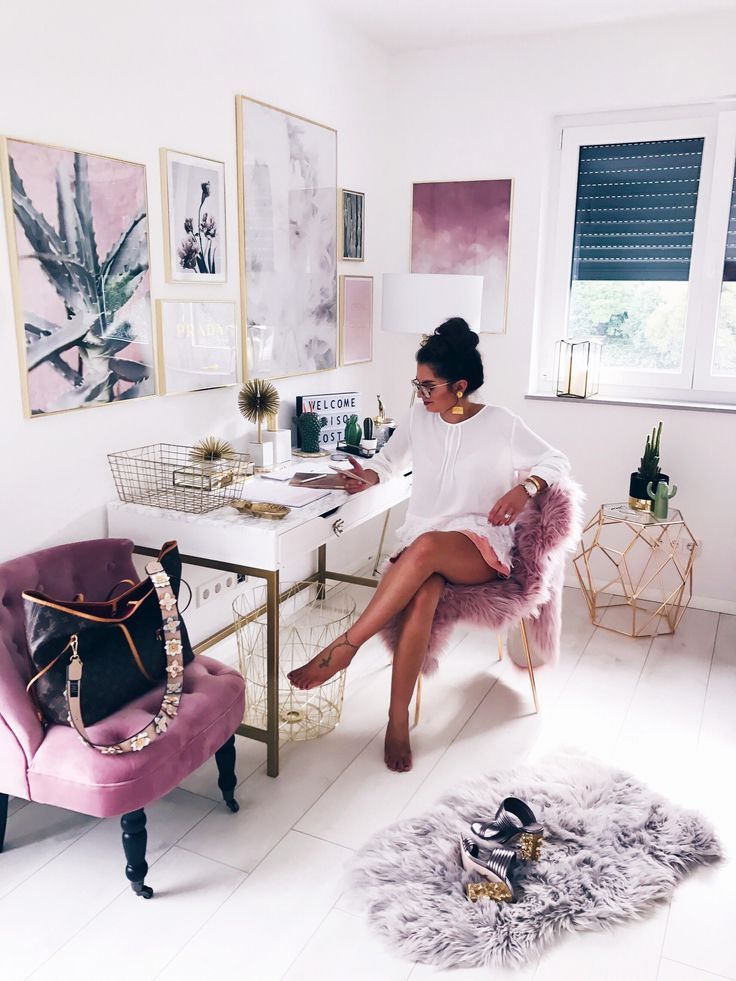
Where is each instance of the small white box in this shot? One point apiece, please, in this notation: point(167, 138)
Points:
point(261, 454)
point(280, 440)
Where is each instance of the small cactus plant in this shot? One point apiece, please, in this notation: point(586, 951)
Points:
point(367, 428)
point(353, 431)
point(649, 466)
point(309, 425)
point(661, 498)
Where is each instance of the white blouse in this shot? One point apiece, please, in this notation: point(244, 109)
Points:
point(461, 469)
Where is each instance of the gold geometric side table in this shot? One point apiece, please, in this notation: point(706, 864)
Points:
point(636, 572)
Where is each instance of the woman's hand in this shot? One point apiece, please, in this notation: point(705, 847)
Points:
point(508, 508)
point(353, 486)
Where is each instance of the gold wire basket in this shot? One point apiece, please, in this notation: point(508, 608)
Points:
point(166, 476)
point(307, 623)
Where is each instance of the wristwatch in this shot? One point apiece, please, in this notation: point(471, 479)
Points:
point(530, 486)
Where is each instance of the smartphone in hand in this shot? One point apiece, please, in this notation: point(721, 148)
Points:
point(348, 473)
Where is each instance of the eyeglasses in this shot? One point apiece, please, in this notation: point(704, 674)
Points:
point(425, 389)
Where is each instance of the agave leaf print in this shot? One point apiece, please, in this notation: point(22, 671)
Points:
point(85, 346)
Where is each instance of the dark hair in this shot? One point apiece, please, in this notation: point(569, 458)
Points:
point(452, 353)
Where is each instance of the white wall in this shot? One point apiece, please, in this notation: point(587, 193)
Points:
point(485, 111)
point(125, 80)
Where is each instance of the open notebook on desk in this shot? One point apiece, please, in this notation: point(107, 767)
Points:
point(275, 492)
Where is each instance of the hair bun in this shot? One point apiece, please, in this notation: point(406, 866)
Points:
point(457, 333)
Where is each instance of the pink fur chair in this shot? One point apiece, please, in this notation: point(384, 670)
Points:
point(548, 529)
point(51, 765)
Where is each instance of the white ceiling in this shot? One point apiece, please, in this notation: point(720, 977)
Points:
point(408, 24)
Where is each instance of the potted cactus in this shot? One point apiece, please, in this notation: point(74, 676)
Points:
point(353, 431)
point(369, 441)
point(648, 474)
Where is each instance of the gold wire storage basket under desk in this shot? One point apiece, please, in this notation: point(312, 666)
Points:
point(307, 623)
point(163, 475)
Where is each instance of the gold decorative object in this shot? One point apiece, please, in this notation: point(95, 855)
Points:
point(636, 572)
point(530, 846)
point(489, 890)
point(257, 400)
point(310, 617)
point(212, 449)
point(167, 476)
point(262, 509)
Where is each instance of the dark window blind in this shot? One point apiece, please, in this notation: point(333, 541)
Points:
point(635, 210)
point(729, 265)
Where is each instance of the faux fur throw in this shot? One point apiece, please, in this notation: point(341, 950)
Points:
point(548, 529)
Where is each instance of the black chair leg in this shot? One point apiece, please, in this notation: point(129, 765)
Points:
point(3, 818)
point(225, 759)
point(134, 845)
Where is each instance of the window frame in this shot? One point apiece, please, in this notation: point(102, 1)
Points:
point(716, 124)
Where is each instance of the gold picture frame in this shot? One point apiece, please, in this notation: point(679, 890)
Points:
point(207, 167)
point(346, 282)
point(356, 221)
point(240, 102)
point(474, 180)
point(206, 370)
point(80, 210)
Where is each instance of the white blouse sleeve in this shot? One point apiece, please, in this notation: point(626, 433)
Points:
point(394, 458)
point(533, 455)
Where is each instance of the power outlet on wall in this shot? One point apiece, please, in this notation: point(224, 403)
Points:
point(215, 587)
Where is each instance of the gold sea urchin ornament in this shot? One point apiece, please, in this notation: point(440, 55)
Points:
point(258, 399)
point(211, 449)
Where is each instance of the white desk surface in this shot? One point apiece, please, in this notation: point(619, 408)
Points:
point(228, 536)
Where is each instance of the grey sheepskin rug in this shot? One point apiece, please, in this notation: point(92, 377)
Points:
point(612, 850)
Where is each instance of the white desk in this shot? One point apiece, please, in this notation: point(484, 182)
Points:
point(258, 547)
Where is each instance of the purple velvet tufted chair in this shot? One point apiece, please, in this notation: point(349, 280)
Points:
point(52, 765)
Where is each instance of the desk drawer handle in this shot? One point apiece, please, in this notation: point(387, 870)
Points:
point(338, 527)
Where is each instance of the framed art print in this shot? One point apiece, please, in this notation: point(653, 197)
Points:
point(194, 218)
point(356, 319)
point(198, 345)
point(78, 241)
point(287, 185)
point(352, 226)
point(464, 227)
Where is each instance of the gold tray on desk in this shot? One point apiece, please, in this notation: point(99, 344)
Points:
point(261, 509)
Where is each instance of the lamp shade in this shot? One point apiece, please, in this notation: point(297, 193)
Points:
point(416, 303)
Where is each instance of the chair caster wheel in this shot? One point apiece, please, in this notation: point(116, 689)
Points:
point(233, 805)
point(146, 892)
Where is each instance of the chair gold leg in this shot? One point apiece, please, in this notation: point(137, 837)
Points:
point(529, 665)
point(500, 647)
point(417, 700)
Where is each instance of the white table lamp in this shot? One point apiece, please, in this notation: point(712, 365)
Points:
point(416, 303)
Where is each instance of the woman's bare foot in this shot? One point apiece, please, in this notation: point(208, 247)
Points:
point(335, 657)
point(396, 748)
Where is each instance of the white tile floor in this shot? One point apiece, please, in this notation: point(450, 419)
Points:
point(262, 895)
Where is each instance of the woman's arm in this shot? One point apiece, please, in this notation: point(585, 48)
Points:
point(532, 455)
point(392, 461)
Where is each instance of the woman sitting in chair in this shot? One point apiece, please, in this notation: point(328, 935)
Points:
point(460, 523)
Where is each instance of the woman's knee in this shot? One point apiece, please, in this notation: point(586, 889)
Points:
point(426, 548)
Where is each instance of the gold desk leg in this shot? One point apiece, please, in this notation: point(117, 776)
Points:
point(380, 544)
point(530, 666)
point(500, 646)
point(272, 674)
point(417, 700)
point(321, 571)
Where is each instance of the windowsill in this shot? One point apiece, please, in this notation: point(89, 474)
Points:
point(647, 403)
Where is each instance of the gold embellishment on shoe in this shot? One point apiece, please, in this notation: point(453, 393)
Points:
point(530, 846)
point(489, 890)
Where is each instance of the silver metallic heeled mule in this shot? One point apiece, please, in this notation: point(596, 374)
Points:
point(494, 864)
point(515, 824)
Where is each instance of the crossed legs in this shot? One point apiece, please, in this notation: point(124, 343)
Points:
point(413, 584)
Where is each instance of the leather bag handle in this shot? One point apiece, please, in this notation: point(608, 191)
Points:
point(174, 674)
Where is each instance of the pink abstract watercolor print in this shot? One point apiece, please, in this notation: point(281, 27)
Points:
point(81, 235)
point(357, 324)
point(463, 227)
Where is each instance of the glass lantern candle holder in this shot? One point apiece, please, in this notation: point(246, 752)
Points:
point(577, 368)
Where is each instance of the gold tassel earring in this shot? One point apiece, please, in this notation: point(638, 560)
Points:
point(458, 410)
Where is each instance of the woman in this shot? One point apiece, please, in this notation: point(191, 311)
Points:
point(460, 523)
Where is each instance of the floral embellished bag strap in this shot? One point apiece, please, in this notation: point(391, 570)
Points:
point(174, 674)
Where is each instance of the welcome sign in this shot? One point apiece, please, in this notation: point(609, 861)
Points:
point(336, 408)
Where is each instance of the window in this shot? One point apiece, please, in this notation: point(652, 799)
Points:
point(642, 252)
